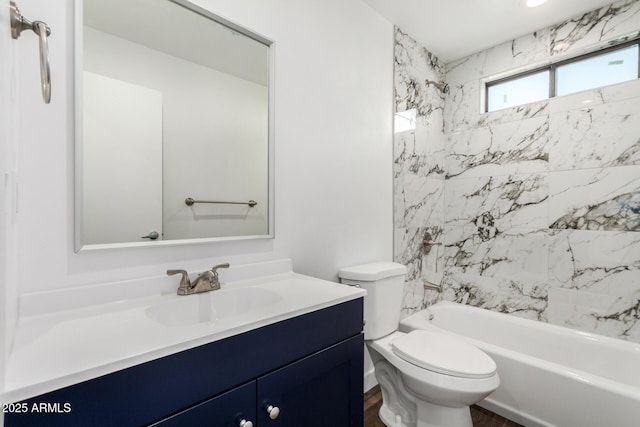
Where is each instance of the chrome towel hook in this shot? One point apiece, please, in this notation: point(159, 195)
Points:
point(18, 24)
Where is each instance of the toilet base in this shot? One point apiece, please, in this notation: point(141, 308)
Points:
point(430, 415)
point(401, 408)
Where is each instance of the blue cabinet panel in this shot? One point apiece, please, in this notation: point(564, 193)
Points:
point(321, 390)
point(225, 410)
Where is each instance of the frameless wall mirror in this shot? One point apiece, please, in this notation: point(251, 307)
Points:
point(174, 129)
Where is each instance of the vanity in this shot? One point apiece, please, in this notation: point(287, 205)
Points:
point(269, 347)
point(278, 350)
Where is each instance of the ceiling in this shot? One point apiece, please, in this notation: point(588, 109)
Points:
point(453, 29)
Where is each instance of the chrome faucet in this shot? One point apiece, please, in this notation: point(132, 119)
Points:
point(205, 282)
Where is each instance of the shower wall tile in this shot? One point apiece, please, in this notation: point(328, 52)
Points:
point(413, 297)
point(521, 145)
point(407, 243)
point(616, 20)
point(419, 156)
point(606, 199)
point(408, 247)
point(595, 137)
point(407, 156)
point(409, 250)
point(606, 263)
point(594, 279)
point(576, 101)
point(621, 91)
point(537, 205)
point(419, 201)
point(507, 202)
point(519, 53)
point(595, 313)
point(595, 97)
point(480, 249)
point(464, 112)
point(414, 66)
point(509, 296)
point(463, 106)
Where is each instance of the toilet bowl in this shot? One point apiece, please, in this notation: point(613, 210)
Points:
point(441, 384)
point(428, 379)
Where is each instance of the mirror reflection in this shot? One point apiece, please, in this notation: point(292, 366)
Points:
point(173, 103)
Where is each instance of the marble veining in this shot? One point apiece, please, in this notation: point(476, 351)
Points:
point(613, 270)
point(537, 206)
point(421, 198)
point(483, 250)
point(523, 141)
point(596, 199)
point(600, 136)
point(414, 67)
point(506, 201)
point(419, 155)
point(615, 20)
point(519, 53)
point(502, 295)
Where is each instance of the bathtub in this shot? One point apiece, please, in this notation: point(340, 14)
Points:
point(549, 375)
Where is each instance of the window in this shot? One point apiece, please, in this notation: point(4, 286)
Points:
point(605, 67)
point(519, 90)
point(618, 66)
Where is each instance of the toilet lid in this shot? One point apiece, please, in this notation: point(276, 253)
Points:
point(440, 353)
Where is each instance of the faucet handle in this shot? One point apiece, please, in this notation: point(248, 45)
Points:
point(216, 267)
point(185, 283)
point(215, 284)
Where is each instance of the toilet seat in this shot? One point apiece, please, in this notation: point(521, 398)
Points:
point(440, 353)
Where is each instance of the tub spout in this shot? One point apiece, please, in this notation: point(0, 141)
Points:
point(432, 286)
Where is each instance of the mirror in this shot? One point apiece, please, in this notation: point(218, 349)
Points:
point(173, 105)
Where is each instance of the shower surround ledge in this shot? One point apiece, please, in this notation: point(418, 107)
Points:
point(60, 348)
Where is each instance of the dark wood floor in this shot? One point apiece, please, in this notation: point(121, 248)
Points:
point(480, 416)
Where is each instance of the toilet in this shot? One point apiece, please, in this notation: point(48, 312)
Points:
point(428, 379)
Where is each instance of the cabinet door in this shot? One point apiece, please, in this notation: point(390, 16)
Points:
point(225, 410)
point(324, 389)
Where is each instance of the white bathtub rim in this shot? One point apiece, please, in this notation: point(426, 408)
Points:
point(616, 387)
point(561, 330)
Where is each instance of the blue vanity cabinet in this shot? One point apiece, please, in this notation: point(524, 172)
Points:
point(309, 366)
point(321, 390)
point(229, 409)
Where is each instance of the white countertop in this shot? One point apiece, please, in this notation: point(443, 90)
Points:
point(55, 350)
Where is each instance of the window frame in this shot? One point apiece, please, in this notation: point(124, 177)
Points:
point(552, 68)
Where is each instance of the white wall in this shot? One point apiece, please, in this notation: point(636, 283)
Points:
point(7, 239)
point(333, 150)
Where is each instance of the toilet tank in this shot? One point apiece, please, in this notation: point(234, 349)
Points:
point(384, 283)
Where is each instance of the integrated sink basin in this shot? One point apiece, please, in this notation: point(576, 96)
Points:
point(64, 346)
point(211, 307)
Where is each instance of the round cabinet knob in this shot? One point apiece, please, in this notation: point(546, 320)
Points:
point(245, 423)
point(273, 411)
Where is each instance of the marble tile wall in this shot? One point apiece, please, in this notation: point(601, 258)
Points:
point(538, 206)
point(419, 163)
